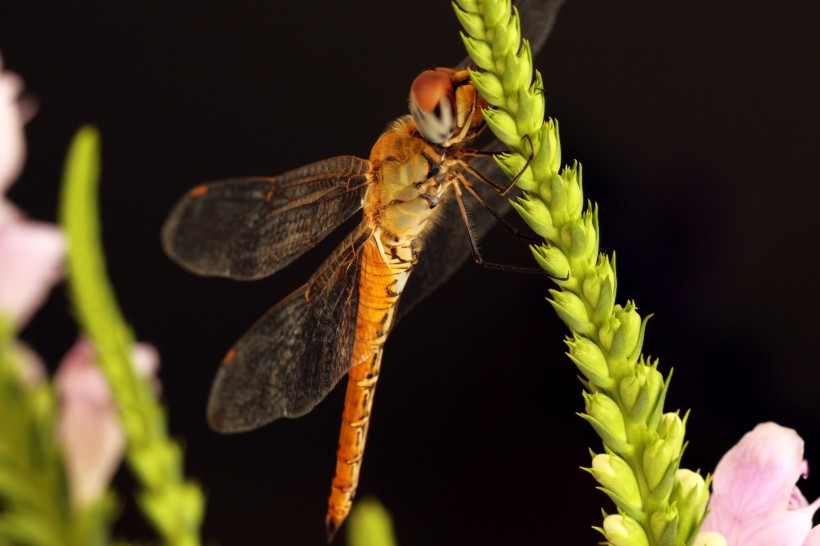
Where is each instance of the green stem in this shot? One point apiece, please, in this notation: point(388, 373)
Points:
point(658, 502)
point(173, 505)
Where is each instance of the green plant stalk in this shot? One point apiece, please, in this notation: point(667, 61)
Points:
point(658, 502)
point(173, 505)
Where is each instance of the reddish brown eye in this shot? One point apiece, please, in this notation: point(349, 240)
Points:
point(429, 87)
point(433, 104)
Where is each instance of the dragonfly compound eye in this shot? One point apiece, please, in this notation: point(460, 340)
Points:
point(433, 105)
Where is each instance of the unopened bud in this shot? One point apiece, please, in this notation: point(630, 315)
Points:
point(660, 455)
point(624, 531)
point(691, 496)
point(488, 86)
point(536, 214)
point(625, 339)
point(605, 416)
point(502, 126)
point(664, 525)
point(590, 360)
point(572, 311)
point(617, 477)
point(575, 237)
point(551, 260)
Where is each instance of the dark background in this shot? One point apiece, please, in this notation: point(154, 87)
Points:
point(697, 125)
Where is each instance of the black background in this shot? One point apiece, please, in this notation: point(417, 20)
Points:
point(696, 123)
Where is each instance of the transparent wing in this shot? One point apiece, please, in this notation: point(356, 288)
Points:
point(295, 354)
point(248, 228)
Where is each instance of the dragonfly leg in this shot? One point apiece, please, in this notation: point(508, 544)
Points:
point(474, 245)
point(501, 190)
point(511, 229)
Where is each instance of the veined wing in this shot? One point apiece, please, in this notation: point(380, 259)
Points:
point(447, 247)
point(296, 353)
point(248, 228)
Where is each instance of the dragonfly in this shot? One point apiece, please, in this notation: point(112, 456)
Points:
point(410, 192)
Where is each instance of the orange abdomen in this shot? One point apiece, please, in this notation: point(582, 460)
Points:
point(380, 285)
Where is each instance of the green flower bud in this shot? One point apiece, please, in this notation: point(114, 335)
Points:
point(591, 228)
point(533, 104)
point(591, 289)
point(590, 361)
point(472, 22)
point(480, 52)
point(672, 429)
point(572, 311)
point(608, 329)
point(575, 196)
point(521, 78)
point(510, 79)
point(634, 394)
point(691, 495)
point(496, 14)
point(502, 40)
point(513, 165)
point(624, 531)
point(551, 260)
point(661, 455)
point(626, 336)
point(617, 478)
point(605, 415)
point(489, 86)
point(502, 125)
point(536, 214)
point(577, 239)
point(664, 524)
point(548, 156)
point(558, 203)
point(605, 300)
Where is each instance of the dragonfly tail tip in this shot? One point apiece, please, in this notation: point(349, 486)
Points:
point(331, 527)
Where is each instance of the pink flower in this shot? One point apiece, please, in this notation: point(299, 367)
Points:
point(12, 118)
point(31, 253)
point(31, 258)
point(754, 497)
point(88, 426)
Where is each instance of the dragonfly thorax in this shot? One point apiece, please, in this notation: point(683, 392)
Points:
point(409, 182)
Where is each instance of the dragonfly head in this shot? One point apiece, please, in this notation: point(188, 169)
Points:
point(446, 106)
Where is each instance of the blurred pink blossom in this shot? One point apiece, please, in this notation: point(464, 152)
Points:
point(31, 257)
point(12, 141)
point(754, 497)
point(88, 426)
point(31, 253)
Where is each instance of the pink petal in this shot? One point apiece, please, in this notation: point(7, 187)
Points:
point(88, 426)
point(31, 255)
point(758, 474)
point(814, 537)
point(12, 140)
point(755, 500)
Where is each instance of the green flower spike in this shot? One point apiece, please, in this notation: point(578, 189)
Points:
point(172, 504)
point(658, 503)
